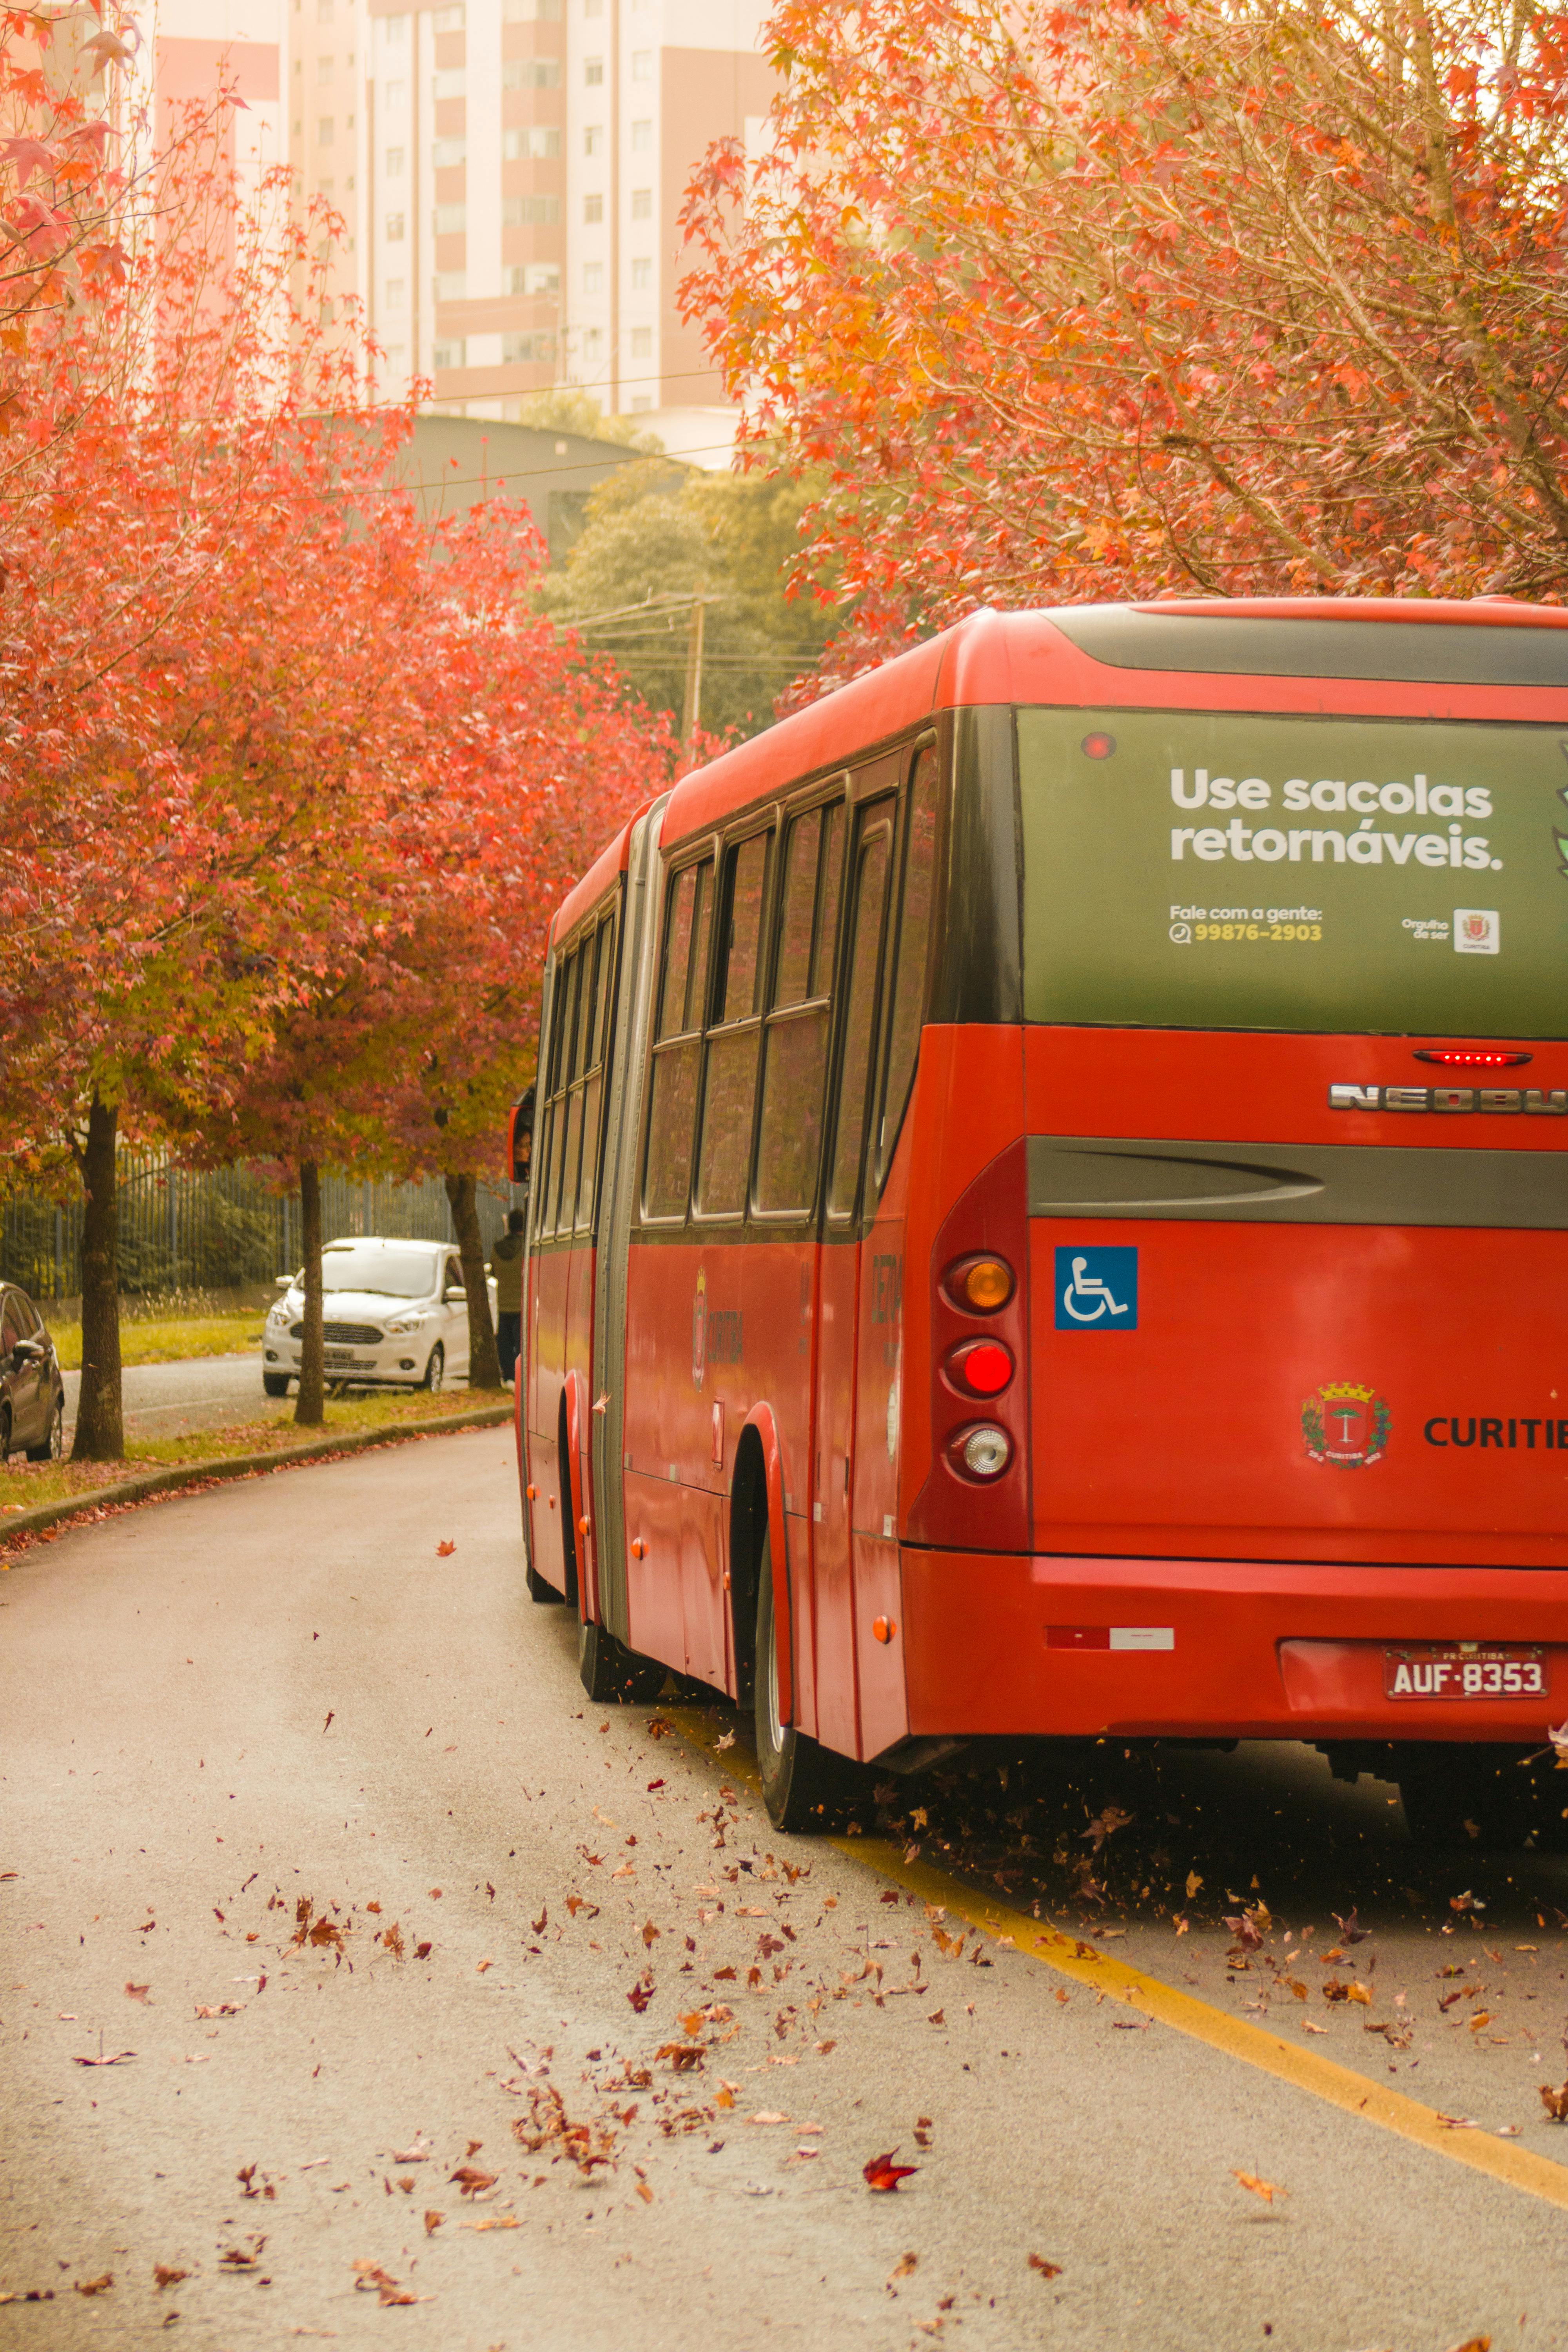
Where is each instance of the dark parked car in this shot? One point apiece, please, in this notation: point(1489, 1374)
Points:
point(32, 1393)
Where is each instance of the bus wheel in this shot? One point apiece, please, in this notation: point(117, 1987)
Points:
point(612, 1675)
point(804, 1785)
point(1462, 1798)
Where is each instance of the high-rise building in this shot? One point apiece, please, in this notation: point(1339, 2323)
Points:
point(511, 174)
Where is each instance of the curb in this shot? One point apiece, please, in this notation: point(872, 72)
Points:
point(240, 1466)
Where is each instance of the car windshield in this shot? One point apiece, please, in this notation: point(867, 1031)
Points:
point(390, 1273)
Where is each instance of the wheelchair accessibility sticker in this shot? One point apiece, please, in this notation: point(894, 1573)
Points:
point(1097, 1289)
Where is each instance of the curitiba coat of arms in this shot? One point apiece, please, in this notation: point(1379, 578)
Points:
point(1346, 1424)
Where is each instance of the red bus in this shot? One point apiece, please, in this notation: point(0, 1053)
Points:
point(1049, 1205)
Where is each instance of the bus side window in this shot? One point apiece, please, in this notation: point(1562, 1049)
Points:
point(592, 1089)
point(678, 1049)
point(789, 1146)
point(909, 967)
point(730, 1092)
point(569, 1117)
point(868, 902)
point(554, 1112)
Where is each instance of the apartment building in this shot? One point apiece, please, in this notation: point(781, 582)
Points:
point(511, 174)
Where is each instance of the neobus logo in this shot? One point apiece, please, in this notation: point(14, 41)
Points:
point(1532, 1100)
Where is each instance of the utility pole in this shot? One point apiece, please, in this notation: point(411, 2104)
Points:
point(691, 711)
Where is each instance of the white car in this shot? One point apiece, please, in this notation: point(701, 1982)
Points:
point(395, 1315)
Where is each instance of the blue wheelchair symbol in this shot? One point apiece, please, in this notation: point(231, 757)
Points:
point(1097, 1289)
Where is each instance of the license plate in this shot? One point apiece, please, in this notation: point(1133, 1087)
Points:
point(1471, 1670)
point(337, 1355)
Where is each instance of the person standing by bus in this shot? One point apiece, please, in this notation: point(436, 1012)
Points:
point(506, 1264)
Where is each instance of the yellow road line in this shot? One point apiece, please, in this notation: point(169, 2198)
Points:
point(1252, 2045)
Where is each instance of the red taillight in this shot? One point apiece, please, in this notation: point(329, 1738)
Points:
point(975, 1496)
point(984, 1368)
point(1472, 1058)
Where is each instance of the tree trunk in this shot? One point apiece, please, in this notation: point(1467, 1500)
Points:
point(99, 1419)
point(312, 1409)
point(484, 1364)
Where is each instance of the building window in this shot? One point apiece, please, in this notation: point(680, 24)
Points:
point(447, 20)
point(452, 220)
point(453, 83)
point(397, 359)
point(530, 11)
point(396, 294)
point(642, 138)
point(446, 153)
point(594, 139)
point(394, 29)
point(642, 204)
point(531, 73)
point(451, 354)
point(531, 212)
point(642, 342)
point(594, 72)
point(593, 7)
point(642, 65)
point(534, 278)
point(540, 141)
point(324, 132)
point(593, 278)
point(642, 276)
point(451, 286)
point(641, 400)
point(393, 231)
point(393, 165)
point(593, 344)
point(324, 12)
point(592, 209)
point(324, 69)
point(526, 351)
point(397, 97)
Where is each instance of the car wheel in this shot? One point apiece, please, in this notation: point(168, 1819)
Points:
point(804, 1785)
point(436, 1370)
point(54, 1445)
point(275, 1383)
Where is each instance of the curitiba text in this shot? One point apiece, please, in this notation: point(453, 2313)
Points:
point(1366, 845)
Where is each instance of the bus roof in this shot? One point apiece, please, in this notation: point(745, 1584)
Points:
point(611, 860)
point(1084, 653)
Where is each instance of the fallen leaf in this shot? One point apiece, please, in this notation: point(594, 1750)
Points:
point(96, 2286)
point(1267, 2190)
point(1194, 1883)
point(1555, 2102)
point(164, 2275)
point(903, 2267)
point(469, 2180)
point(416, 2153)
point(444, 1551)
point(640, 1995)
point(650, 1933)
point(767, 2116)
point(728, 1740)
point(645, 2192)
point(883, 2175)
point(1045, 2269)
point(433, 2222)
point(371, 2279)
point(117, 2058)
point(1473, 2344)
point(137, 1992)
point(937, 2017)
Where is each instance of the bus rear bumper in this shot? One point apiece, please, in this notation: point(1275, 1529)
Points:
point(1227, 1649)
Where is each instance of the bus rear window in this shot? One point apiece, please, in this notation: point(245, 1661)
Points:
point(1190, 870)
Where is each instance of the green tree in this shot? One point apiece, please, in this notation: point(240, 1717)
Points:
point(659, 536)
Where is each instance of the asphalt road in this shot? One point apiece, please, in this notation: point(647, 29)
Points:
point(168, 1400)
point(263, 1747)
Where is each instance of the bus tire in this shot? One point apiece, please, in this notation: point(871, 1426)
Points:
point(805, 1786)
point(612, 1675)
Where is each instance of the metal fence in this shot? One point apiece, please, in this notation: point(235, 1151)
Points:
point(219, 1230)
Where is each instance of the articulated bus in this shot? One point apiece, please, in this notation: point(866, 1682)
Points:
point(1049, 1204)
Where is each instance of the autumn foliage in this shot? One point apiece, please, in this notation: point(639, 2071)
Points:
point(1085, 299)
point(292, 774)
